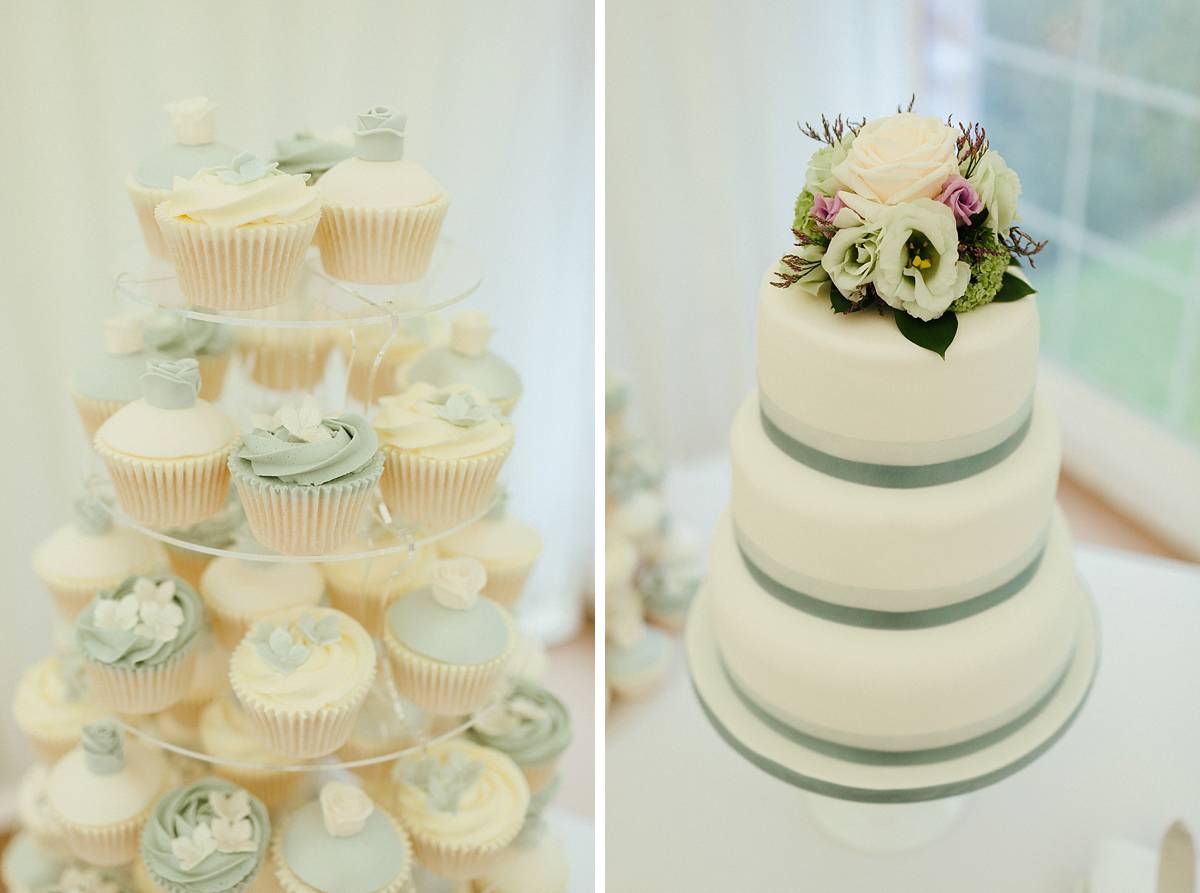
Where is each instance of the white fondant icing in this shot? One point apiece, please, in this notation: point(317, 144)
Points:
point(86, 798)
point(258, 588)
point(139, 429)
point(72, 554)
point(355, 183)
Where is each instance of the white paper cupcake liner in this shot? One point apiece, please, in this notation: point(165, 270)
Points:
point(368, 607)
point(169, 492)
point(439, 493)
point(444, 689)
point(273, 787)
point(144, 201)
point(505, 587)
point(144, 689)
point(212, 376)
point(290, 883)
point(72, 599)
point(94, 413)
point(286, 367)
point(188, 565)
point(460, 862)
point(236, 267)
point(108, 845)
point(378, 245)
point(672, 623)
point(299, 520)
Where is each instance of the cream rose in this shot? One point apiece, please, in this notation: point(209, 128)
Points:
point(457, 582)
point(918, 270)
point(344, 808)
point(899, 159)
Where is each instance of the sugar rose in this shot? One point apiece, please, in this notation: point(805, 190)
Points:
point(899, 159)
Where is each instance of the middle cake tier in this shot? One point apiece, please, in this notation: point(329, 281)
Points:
point(892, 547)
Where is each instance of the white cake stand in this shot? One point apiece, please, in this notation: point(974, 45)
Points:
point(884, 806)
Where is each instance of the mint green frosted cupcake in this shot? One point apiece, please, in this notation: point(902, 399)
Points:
point(207, 837)
point(305, 480)
point(138, 643)
point(310, 153)
point(532, 726)
point(211, 345)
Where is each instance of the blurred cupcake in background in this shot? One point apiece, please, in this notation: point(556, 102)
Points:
point(287, 358)
point(193, 150)
point(507, 548)
point(210, 680)
point(52, 705)
point(106, 381)
point(92, 553)
point(383, 727)
point(177, 337)
point(385, 350)
point(636, 656)
point(29, 867)
point(33, 810)
point(532, 726)
point(667, 591)
point(218, 531)
point(381, 214)
point(365, 587)
point(466, 361)
point(238, 233)
point(535, 862)
point(306, 152)
point(242, 755)
point(167, 453)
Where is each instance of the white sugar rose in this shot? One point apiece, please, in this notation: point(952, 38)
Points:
point(900, 158)
point(344, 808)
point(918, 269)
point(820, 179)
point(457, 582)
point(998, 187)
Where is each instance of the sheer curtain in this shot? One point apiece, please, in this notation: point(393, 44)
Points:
point(499, 99)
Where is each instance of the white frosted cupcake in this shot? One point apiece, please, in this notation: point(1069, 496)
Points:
point(636, 658)
point(240, 591)
point(462, 804)
point(285, 358)
point(34, 813)
point(342, 842)
point(466, 362)
point(365, 587)
point(238, 233)
point(210, 680)
point(302, 676)
point(242, 755)
point(381, 215)
point(443, 451)
point(105, 381)
point(536, 862)
point(102, 791)
point(383, 351)
point(667, 591)
point(177, 337)
point(53, 704)
point(90, 554)
point(449, 647)
point(219, 531)
point(506, 547)
point(138, 643)
point(192, 151)
point(167, 453)
point(29, 867)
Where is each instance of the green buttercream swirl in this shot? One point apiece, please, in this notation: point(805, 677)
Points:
point(179, 337)
point(537, 735)
point(176, 814)
point(307, 153)
point(103, 747)
point(279, 454)
point(126, 648)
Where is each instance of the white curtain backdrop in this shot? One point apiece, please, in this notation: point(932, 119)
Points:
point(704, 162)
point(499, 99)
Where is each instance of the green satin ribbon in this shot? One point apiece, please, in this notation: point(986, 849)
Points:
point(896, 477)
point(868, 618)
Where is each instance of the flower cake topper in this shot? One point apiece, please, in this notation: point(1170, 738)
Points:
point(345, 808)
point(147, 607)
point(457, 582)
point(379, 135)
point(224, 826)
point(463, 410)
point(192, 120)
point(912, 213)
point(443, 781)
point(303, 421)
point(171, 384)
point(287, 650)
point(84, 879)
point(247, 167)
point(103, 747)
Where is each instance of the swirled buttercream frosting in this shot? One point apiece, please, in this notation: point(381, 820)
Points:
point(442, 423)
point(207, 837)
point(246, 191)
point(320, 453)
point(144, 621)
point(53, 698)
point(308, 153)
point(531, 725)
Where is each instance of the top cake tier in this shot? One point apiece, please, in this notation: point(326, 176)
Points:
point(846, 385)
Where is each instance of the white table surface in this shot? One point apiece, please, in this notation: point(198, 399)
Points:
point(685, 813)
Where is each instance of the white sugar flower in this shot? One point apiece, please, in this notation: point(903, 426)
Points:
point(231, 807)
point(345, 808)
point(234, 836)
point(76, 879)
point(147, 591)
point(302, 421)
point(159, 622)
point(117, 613)
point(194, 849)
point(457, 582)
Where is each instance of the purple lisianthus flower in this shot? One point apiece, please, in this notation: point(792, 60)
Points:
point(961, 198)
point(824, 208)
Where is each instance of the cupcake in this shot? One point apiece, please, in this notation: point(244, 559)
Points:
point(241, 754)
point(384, 351)
point(206, 837)
point(192, 151)
point(216, 532)
point(305, 480)
point(310, 153)
point(667, 591)
point(302, 676)
point(53, 704)
point(462, 804)
point(167, 453)
point(365, 587)
point(443, 452)
point(636, 658)
point(80, 878)
point(178, 337)
point(90, 554)
point(287, 358)
point(138, 643)
point(536, 862)
point(210, 680)
point(466, 361)
point(380, 214)
point(342, 842)
point(34, 813)
point(28, 867)
point(106, 381)
point(238, 233)
point(102, 791)
point(640, 517)
point(506, 547)
point(449, 647)
point(239, 591)
point(532, 726)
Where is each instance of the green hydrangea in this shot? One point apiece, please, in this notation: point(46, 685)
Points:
point(804, 203)
point(986, 272)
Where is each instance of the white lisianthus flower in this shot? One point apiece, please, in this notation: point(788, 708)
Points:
point(918, 269)
point(851, 259)
point(811, 256)
point(900, 158)
point(998, 187)
point(819, 177)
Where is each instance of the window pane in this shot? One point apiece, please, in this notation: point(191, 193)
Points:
point(1057, 28)
point(1155, 44)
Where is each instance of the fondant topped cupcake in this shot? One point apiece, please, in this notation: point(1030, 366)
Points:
point(194, 147)
point(299, 446)
point(378, 175)
point(143, 622)
point(246, 191)
point(466, 361)
point(441, 423)
point(115, 373)
point(310, 153)
point(106, 780)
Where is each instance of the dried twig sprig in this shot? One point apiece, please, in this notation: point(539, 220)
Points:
point(972, 146)
point(1020, 244)
point(912, 102)
point(831, 132)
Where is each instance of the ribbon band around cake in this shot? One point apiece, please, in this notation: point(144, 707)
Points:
point(1005, 438)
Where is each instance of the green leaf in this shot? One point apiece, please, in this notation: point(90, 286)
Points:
point(935, 335)
point(1013, 288)
point(838, 300)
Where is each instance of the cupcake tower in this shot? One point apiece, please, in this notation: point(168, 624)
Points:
point(287, 655)
point(651, 567)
